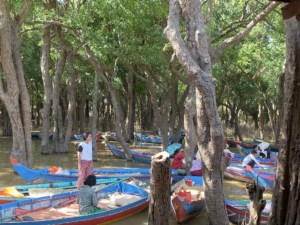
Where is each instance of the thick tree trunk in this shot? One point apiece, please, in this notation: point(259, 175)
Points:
point(195, 59)
point(146, 113)
point(71, 96)
point(280, 102)
point(15, 96)
point(285, 202)
point(190, 126)
point(6, 125)
point(45, 69)
point(58, 131)
point(160, 190)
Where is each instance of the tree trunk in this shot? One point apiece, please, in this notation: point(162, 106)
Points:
point(261, 121)
point(45, 68)
point(280, 102)
point(285, 201)
point(6, 125)
point(81, 109)
point(130, 112)
point(190, 126)
point(194, 58)
point(15, 96)
point(160, 189)
point(71, 95)
point(257, 203)
point(237, 132)
point(58, 131)
point(95, 114)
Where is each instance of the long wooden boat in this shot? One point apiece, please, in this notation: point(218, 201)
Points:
point(21, 190)
point(237, 172)
point(273, 155)
point(187, 201)
point(136, 156)
point(31, 175)
point(238, 158)
point(238, 211)
point(266, 181)
point(62, 209)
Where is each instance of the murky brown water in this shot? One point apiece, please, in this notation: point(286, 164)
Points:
point(232, 189)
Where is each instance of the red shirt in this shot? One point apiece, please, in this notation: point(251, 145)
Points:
point(177, 162)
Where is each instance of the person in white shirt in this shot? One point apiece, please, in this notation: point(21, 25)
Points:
point(250, 160)
point(263, 150)
point(85, 158)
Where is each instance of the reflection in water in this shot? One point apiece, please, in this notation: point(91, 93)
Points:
point(233, 189)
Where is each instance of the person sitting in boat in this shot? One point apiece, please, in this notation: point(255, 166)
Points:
point(178, 162)
point(87, 198)
point(250, 160)
point(263, 150)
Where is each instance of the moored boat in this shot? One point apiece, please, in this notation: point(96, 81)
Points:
point(31, 175)
point(268, 182)
point(187, 200)
point(238, 158)
point(62, 209)
point(21, 190)
point(238, 211)
point(136, 156)
point(237, 172)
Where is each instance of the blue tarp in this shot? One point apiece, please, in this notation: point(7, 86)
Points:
point(171, 148)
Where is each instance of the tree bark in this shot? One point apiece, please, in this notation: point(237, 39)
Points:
point(45, 69)
point(257, 203)
point(95, 114)
point(190, 126)
point(71, 86)
point(15, 96)
point(6, 125)
point(58, 130)
point(160, 189)
point(195, 60)
point(130, 107)
point(285, 201)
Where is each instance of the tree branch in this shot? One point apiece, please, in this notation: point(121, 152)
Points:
point(23, 12)
point(219, 51)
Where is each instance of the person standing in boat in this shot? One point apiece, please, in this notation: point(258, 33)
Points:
point(85, 158)
point(250, 160)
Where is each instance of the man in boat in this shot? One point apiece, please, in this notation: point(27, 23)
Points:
point(250, 160)
point(263, 150)
point(85, 158)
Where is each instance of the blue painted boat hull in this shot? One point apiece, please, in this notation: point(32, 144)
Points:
point(29, 206)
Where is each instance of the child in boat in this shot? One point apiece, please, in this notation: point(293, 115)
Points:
point(87, 198)
point(177, 163)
